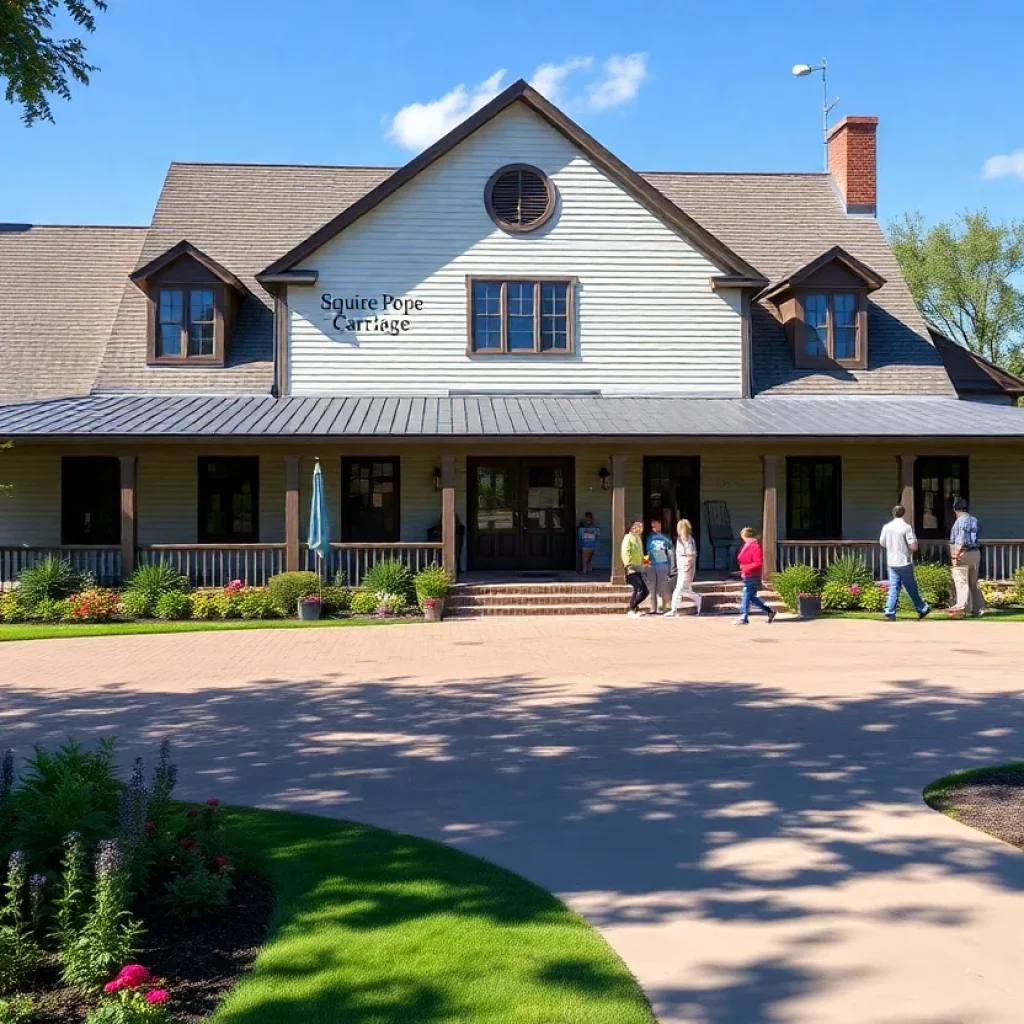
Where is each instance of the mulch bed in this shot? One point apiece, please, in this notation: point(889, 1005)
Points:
point(198, 961)
point(994, 805)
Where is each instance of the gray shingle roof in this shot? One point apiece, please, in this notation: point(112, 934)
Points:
point(525, 416)
point(59, 293)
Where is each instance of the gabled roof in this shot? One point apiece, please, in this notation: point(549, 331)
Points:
point(837, 254)
point(186, 248)
point(521, 92)
point(973, 374)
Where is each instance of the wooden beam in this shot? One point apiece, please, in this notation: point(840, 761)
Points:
point(618, 515)
point(770, 518)
point(129, 515)
point(448, 537)
point(291, 513)
point(907, 486)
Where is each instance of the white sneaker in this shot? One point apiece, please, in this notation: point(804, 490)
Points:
point(741, 622)
point(670, 615)
point(633, 615)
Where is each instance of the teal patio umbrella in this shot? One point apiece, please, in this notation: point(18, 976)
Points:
point(319, 521)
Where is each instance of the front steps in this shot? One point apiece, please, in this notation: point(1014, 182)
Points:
point(469, 600)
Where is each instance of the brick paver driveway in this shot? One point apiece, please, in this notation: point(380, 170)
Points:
point(738, 811)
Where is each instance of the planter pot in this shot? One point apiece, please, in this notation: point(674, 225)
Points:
point(808, 606)
point(434, 612)
point(309, 611)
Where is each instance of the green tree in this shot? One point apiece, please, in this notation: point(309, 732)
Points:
point(964, 275)
point(35, 64)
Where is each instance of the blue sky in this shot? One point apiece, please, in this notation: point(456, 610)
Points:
point(689, 86)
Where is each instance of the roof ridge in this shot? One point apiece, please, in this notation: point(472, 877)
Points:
point(746, 174)
point(259, 163)
point(90, 227)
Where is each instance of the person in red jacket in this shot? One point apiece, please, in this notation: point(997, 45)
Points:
point(751, 562)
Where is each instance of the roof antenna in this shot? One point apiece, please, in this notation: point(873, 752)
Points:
point(802, 71)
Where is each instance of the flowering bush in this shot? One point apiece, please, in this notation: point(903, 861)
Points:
point(96, 605)
point(11, 609)
point(839, 597)
point(234, 587)
point(390, 605)
point(364, 602)
point(173, 605)
point(19, 953)
point(872, 599)
point(204, 605)
point(134, 998)
point(997, 597)
point(255, 603)
point(796, 581)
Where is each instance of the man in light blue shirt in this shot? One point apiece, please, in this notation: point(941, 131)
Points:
point(660, 552)
point(965, 551)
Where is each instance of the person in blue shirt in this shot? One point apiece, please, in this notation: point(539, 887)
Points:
point(660, 552)
point(965, 551)
point(588, 536)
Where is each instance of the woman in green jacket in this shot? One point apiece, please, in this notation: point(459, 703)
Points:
point(632, 552)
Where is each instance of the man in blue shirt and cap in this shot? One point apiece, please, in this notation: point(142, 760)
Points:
point(966, 554)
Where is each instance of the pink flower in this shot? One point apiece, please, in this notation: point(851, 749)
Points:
point(187, 844)
point(113, 986)
point(213, 802)
point(132, 976)
point(854, 589)
point(157, 997)
point(220, 862)
point(191, 812)
point(150, 827)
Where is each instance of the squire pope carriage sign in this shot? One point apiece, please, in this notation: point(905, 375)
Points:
point(374, 314)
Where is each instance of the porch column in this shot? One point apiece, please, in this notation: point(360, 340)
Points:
point(618, 515)
point(907, 485)
point(770, 518)
point(291, 513)
point(129, 520)
point(449, 545)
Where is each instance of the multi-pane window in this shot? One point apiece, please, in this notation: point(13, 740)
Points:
point(186, 323)
point(814, 495)
point(229, 499)
point(521, 317)
point(90, 500)
point(939, 481)
point(370, 500)
point(830, 328)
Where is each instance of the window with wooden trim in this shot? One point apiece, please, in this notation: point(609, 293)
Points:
point(832, 329)
point(90, 499)
point(229, 489)
point(371, 500)
point(814, 498)
point(186, 324)
point(520, 317)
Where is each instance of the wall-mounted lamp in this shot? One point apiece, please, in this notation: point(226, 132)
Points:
point(437, 478)
point(603, 475)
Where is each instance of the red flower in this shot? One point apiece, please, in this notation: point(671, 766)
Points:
point(150, 827)
point(132, 976)
point(220, 862)
point(187, 844)
point(191, 812)
point(213, 802)
point(157, 997)
point(112, 986)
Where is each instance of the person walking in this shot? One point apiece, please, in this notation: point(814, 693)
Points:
point(589, 536)
point(900, 543)
point(965, 552)
point(686, 567)
point(632, 554)
point(751, 563)
point(659, 553)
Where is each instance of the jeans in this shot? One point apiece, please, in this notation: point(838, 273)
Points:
point(636, 580)
point(751, 585)
point(903, 576)
point(658, 575)
point(969, 598)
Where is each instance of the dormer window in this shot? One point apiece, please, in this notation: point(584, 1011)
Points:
point(187, 325)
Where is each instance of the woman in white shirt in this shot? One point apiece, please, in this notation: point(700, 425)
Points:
point(686, 566)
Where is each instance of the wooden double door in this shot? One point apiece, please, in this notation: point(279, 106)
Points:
point(522, 514)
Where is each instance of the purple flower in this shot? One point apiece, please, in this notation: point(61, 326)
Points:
point(36, 885)
point(165, 775)
point(108, 859)
point(134, 807)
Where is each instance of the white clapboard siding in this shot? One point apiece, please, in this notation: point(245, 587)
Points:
point(648, 319)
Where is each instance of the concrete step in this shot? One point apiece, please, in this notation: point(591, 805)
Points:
point(609, 599)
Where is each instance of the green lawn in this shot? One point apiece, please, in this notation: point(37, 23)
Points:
point(40, 631)
point(373, 927)
point(937, 792)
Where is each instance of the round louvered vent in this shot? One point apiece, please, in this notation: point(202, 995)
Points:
point(520, 197)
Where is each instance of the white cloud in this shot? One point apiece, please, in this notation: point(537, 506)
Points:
point(1009, 165)
point(419, 124)
point(548, 79)
point(620, 83)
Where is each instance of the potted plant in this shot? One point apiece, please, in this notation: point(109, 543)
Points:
point(310, 608)
point(432, 586)
point(808, 606)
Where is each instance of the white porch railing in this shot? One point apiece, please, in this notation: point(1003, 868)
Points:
point(104, 563)
point(216, 565)
point(355, 560)
point(1000, 559)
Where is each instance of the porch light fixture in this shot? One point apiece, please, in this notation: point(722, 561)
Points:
point(437, 478)
point(802, 71)
point(603, 475)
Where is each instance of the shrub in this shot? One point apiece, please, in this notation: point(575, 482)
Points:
point(390, 577)
point(173, 605)
point(135, 604)
point(286, 588)
point(97, 605)
point(52, 610)
point(11, 609)
point(997, 597)
point(839, 596)
point(850, 571)
point(935, 581)
point(336, 599)
point(204, 605)
point(390, 605)
point(227, 604)
point(156, 579)
point(872, 599)
point(433, 581)
point(198, 893)
point(795, 580)
point(1017, 594)
point(50, 577)
point(17, 1011)
point(255, 603)
point(364, 602)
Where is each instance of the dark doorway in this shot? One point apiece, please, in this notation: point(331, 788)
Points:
point(672, 492)
point(521, 514)
point(90, 500)
point(938, 482)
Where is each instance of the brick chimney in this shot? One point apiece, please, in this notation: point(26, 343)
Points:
point(851, 159)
